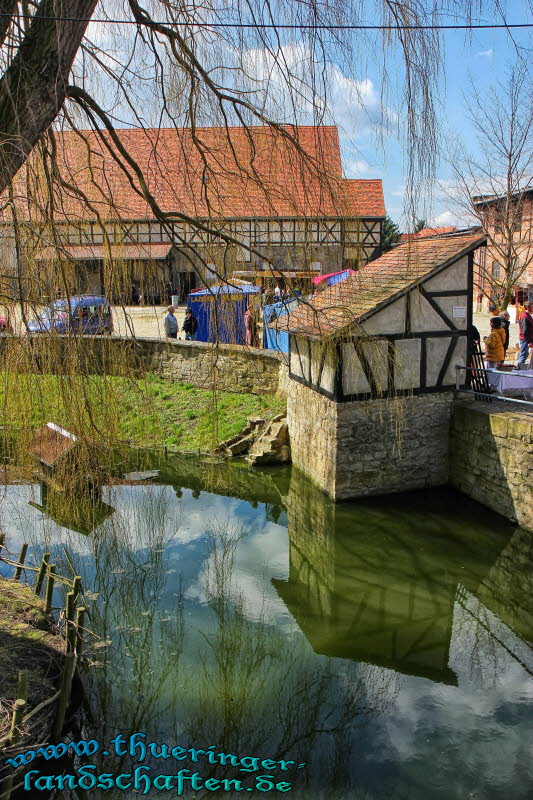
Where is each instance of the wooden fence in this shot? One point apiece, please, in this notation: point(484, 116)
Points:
point(46, 577)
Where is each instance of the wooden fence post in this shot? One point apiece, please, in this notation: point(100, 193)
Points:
point(76, 586)
point(50, 587)
point(42, 572)
point(80, 620)
point(16, 720)
point(69, 622)
point(22, 558)
point(64, 697)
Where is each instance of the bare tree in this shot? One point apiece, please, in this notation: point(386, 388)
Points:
point(494, 186)
point(37, 57)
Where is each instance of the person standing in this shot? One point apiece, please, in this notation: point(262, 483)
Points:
point(190, 325)
point(525, 323)
point(505, 318)
point(248, 326)
point(170, 323)
point(494, 352)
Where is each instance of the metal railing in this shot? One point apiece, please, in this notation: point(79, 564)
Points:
point(484, 394)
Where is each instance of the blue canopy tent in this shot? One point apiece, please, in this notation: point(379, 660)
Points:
point(272, 338)
point(220, 311)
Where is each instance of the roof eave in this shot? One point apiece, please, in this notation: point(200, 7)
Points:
point(474, 246)
point(367, 314)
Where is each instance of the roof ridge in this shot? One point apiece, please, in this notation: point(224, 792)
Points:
point(206, 128)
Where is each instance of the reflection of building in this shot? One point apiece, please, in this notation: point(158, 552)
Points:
point(363, 589)
point(289, 202)
point(81, 514)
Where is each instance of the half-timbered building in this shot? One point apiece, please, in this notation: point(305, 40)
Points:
point(395, 331)
point(399, 326)
point(234, 200)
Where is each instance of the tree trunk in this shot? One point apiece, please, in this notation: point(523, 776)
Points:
point(32, 90)
point(7, 9)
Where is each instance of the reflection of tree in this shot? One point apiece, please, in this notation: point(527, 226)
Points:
point(132, 684)
point(261, 691)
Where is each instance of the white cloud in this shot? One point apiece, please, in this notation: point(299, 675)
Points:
point(485, 53)
point(446, 218)
point(354, 168)
point(293, 84)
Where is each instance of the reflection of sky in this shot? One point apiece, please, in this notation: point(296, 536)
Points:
point(420, 739)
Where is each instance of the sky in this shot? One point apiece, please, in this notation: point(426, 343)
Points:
point(368, 122)
point(484, 56)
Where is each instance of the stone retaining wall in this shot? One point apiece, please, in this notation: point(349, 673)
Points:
point(492, 457)
point(370, 447)
point(231, 368)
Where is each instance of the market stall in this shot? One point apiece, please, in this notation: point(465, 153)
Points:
point(219, 311)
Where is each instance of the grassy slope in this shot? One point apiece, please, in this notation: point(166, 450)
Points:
point(148, 412)
point(25, 644)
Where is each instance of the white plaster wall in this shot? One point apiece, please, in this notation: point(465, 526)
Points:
point(299, 357)
point(353, 378)
point(447, 304)
point(407, 364)
point(390, 320)
point(423, 316)
point(459, 359)
point(328, 373)
point(454, 277)
point(435, 351)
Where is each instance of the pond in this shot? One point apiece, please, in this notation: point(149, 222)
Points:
point(378, 649)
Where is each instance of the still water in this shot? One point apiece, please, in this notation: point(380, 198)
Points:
point(384, 647)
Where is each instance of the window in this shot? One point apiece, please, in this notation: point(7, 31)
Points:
point(288, 231)
point(275, 232)
point(496, 271)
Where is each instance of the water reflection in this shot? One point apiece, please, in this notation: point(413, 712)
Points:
point(390, 584)
point(84, 515)
point(372, 641)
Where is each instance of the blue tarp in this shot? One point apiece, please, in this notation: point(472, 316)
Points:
point(334, 277)
point(272, 338)
point(220, 311)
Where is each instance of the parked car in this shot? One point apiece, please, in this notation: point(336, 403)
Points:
point(88, 314)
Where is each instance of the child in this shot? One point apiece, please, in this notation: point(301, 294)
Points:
point(495, 344)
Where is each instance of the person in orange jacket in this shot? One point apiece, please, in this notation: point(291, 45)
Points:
point(495, 344)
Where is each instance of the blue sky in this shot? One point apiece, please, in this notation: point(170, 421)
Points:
point(484, 55)
point(354, 82)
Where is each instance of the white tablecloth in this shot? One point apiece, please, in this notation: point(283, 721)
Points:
point(516, 383)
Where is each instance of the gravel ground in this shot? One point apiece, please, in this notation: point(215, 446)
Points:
point(147, 321)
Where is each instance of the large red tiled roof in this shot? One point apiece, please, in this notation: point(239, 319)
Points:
point(405, 237)
point(361, 294)
point(229, 173)
point(365, 196)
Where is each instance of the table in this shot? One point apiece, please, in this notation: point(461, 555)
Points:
point(518, 383)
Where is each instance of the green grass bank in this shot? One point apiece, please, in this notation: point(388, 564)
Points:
point(147, 412)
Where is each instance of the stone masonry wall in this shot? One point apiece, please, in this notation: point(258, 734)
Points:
point(312, 421)
point(392, 446)
point(231, 368)
point(370, 447)
point(492, 457)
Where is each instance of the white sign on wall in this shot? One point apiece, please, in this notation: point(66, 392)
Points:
point(459, 312)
